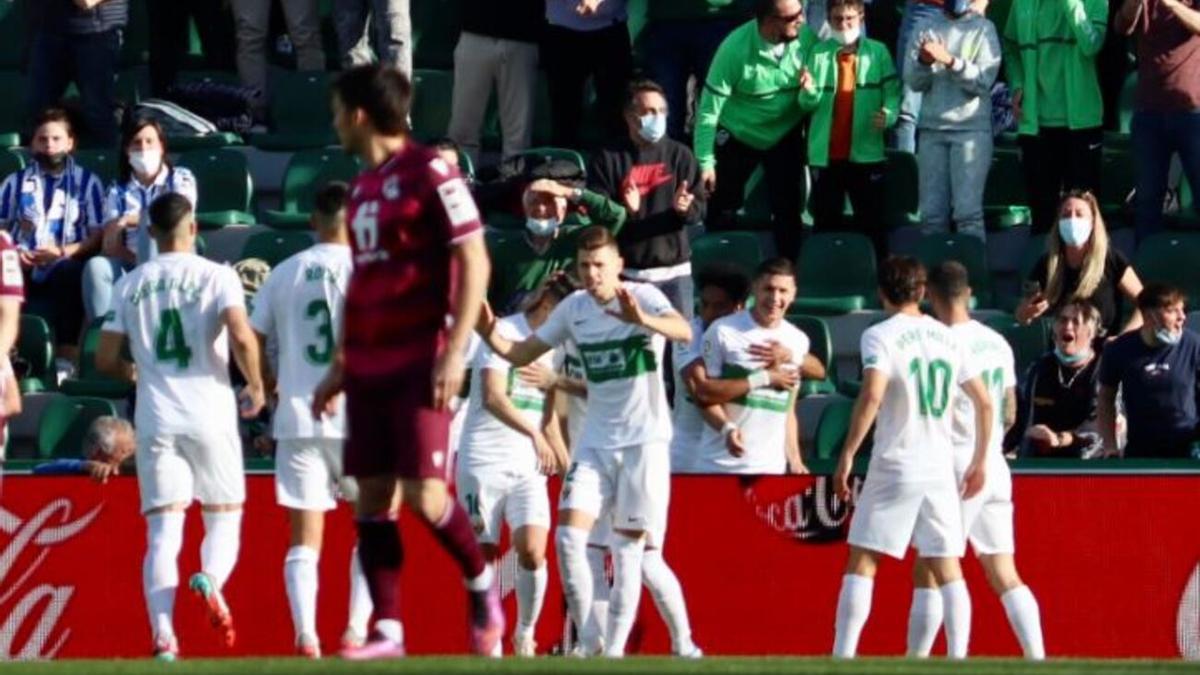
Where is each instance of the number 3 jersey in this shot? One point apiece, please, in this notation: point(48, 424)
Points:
point(924, 364)
point(170, 310)
point(301, 305)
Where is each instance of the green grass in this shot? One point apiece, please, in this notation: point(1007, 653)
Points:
point(645, 666)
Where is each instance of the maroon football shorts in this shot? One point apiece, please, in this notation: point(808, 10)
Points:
point(393, 428)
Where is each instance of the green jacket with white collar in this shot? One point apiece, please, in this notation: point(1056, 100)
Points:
point(877, 88)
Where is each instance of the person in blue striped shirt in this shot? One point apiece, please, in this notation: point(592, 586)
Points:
point(52, 208)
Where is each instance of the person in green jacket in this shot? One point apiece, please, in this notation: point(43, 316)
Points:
point(553, 220)
point(1050, 49)
point(851, 86)
point(749, 117)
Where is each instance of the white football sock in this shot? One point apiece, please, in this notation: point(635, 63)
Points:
point(390, 629)
point(664, 587)
point(531, 593)
point(627, 554)
point(219, 549)
point(853, 608)
point(360, 597)
point(956, 603)
point(160, 570)
point(1022, 610)
point(300, 578)
point(924, 620)
point(571, 543)
point(597, 620)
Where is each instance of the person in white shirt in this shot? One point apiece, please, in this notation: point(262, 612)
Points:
point(180, 315)
point(622, 464)
point(988, 516)
point(299, 309)
point(913, 369)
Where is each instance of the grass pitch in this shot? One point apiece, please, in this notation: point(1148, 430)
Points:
point(639, 666)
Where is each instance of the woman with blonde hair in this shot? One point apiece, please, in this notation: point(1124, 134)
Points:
point(1081, 264)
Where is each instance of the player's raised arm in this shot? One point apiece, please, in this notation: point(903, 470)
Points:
point(666, 322)
point(517, 353)
point(985, 412)
point(866, 407)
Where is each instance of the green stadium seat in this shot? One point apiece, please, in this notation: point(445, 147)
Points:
point(224, 185)
point(935, 249)
point(1005, 203)
point(276, 246)
point(11, 141)
point(221, 139)
point(737, 248)
point(433, 91)
point(89, 381)
point(832, 429)
point(64, 423)
point(35, 345)
point(307, 171)
point(1171, 257)
point(820, 346)
point(1117, 181)
point(1028, 342)
point(836, 274)
point(900, 190)
point(300, 113)
point(435, 29)
point(104, 163)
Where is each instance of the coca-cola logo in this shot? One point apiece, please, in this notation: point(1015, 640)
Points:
point(28, 609)
point(814, 513)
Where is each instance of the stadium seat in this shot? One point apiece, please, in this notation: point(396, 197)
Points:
point(1171, 257)
point(820, 346)
point(932, 250)
point(900, 203)
point(35, 346)
point(832, 429)
point(224, 185)
point(737, 248)
point(432, 94)
point(65, 422)
point(11, 161)
point(1117, 181)
point(1028, 342)
point(307, 171)
point(89, 381)
point(836, 274)
point(1005, 203)
point(275, 247)
point(300, 113)
point(104, 163)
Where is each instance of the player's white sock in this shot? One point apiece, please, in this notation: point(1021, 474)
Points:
point(390, 629)
point(924, 620)
point(160, 570)
point(531, 593)
point(627, 554)
point(219, 549)
point(360, 597)
point(956, 603)
point(571, 543)
point(668, 597)
point(1025, 618)
point(854, 606)
point(597, 620)
point(300, 578)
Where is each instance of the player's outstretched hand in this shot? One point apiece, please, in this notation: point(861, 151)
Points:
point(325, 396)
point(100, 472)
point(251, 401)
point(734, 443)
point(973, 480)
point(448, 374)
point(631, 311)
point(841, 478)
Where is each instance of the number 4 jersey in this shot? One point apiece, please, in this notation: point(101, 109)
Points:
point(301, 305)
point(170, 309)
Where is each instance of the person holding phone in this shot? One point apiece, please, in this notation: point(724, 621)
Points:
point(1080, 264)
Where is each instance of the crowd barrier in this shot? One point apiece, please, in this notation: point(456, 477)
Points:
point(1111, 557)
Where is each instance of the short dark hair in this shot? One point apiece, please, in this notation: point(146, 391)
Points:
point(330, 200)
point(727, 277)
point(766, 8)
point(642, 86)
point(595, 237)
point(131, 128)
point(775, 267)
point(1159, 295)
point(901, 279)
point(54, 114)
point(382, 92)
point(168, 211)
point(949, 280)
point(853, 4)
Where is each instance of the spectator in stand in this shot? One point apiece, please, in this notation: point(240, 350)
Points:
point(680, 39)
point(252, 19)
point(1050, 53)
point(53, 210)
point(145, 173)
point(1081, 264)
point(77, 41)
point(389, 21)
point(498, 49)
point(916, 19)
point(169, 38)
point(750, 116)
point(553, 220)
point(586, 38)
point(1167, 119)
point(952, 68)
point(1056, 412)
point(850, 84)
point(1156, 369)
point(108, 449)
point(654, 177)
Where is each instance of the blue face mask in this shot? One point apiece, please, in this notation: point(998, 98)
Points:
point(653, 127)
point(1166, 338)
point(1071, 359)
point(1075, 232)
point(541, 227)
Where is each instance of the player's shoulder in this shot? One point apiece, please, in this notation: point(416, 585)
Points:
point(792, 334)
point(725, 324)
point(512, 325)
point(642, 290)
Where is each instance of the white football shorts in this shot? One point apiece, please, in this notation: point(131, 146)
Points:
point(988, 516)
point(178, 468)
point(494, 497)
point(308, 474)
point(890, 514)
point(630, 485)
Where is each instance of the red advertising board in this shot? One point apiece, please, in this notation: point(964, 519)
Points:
point(1111, 558)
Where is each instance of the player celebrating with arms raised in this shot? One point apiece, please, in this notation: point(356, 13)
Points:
point(912, 366)
point(622, 462)
point(420, 271)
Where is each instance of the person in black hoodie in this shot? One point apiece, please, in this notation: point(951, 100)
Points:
point(653, 177)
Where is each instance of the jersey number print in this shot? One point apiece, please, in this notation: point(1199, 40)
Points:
point(169, 343)
point(933, 385)
point(321, 353)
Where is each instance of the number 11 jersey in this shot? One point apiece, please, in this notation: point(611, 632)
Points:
point(170, 310)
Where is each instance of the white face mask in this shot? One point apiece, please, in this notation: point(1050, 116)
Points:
point(848, 36)
point(1075, 232)
point(146, 162)
point(541, 227)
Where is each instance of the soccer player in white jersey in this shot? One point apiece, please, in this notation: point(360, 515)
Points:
point(913, 368)
point(988, 516)
point(622, 462)
point(757, 432)
point(300, 308)
point(181, 314)
point(504, 457)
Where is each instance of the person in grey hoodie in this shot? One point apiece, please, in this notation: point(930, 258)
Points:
point(954, 63)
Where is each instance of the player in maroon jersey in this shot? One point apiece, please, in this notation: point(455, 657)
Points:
point(420, 273)
point(12, 294)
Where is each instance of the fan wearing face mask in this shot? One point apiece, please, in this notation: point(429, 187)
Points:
point(145, 174)
point(1081, 264)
